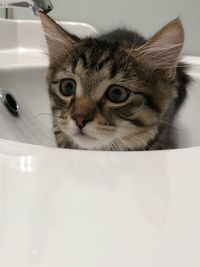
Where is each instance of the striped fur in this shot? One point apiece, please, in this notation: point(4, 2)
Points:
point(157, 88)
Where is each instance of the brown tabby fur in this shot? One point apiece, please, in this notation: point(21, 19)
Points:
point(148, 69)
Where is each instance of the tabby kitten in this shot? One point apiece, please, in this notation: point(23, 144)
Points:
point(115, 91)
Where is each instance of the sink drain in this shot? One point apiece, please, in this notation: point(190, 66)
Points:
point(9, 101)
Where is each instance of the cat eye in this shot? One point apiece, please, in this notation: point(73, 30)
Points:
point(68, 87)
point(117, 94)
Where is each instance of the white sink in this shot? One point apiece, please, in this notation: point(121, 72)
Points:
point(72, 208)
point(23, 64)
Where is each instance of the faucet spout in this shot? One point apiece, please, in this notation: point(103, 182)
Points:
point(44, 6)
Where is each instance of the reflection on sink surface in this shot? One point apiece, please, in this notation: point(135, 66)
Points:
point(62, 207)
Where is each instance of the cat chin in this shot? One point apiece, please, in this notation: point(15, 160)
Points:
point(88, 143)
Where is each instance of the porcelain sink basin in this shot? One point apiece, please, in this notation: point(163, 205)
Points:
point(23, 65)
point(62, 207)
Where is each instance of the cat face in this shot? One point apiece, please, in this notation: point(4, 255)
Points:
point(110, 95)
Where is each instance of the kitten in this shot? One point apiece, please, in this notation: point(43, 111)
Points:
point(115, 91)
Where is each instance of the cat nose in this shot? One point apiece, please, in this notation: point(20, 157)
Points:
point(81, 121)
point(83, 111)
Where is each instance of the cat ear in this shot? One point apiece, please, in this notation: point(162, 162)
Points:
point(59, 41)
point(161, 53)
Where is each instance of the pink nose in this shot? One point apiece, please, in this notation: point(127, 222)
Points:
point(81, 121)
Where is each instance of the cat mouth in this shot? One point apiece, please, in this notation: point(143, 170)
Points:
point(84, 136)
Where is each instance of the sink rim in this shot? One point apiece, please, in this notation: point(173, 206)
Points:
point(14, 145)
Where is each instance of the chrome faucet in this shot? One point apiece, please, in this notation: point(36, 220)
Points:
point(44, 6)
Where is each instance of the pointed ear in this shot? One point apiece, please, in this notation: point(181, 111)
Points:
point(161, 53)
point(59, 41)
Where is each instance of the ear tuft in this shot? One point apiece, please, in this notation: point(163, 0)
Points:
point(162, 51)
point(59, 41)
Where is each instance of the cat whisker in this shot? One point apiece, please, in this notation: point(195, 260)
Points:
point(36, 127)
point(125, 146)
point(43, 114)
point(114, 145)
point(136, 140)
point(139, 141)
point(169, 124)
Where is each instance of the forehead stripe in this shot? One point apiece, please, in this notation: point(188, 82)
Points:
point(83, 58)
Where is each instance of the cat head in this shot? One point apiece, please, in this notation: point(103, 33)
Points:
point(110, 95)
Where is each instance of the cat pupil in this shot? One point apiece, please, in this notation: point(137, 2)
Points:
point(68, 87)
point(117, 94)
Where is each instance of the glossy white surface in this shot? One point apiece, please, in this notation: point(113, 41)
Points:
point(72, 208)
point(76, 208)
point(16, 34)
